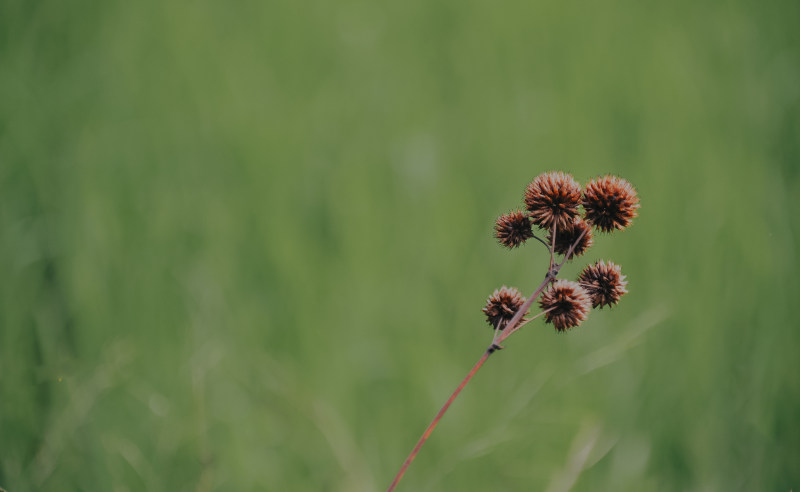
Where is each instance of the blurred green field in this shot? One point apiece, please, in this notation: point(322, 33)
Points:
point(244, 246)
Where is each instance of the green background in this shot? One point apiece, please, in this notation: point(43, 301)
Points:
point(244, 245)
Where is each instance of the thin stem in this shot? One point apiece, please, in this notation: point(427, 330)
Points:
point(525, 307)
point(510, 328)
point(571, 249)
point(542, 241)
point(439, 415)
point(526, 321)
point(552, 246)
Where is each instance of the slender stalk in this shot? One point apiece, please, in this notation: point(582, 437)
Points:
point(542, 241)
point(510, 328)
point(571, 249)
point(526, 321)
point(438, 417)
point(525, 307)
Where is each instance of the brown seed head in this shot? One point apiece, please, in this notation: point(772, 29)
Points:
point(610, 203)
point(569, 302)
point(502, 305)
point(553, 198)
point(565, 238)
point(513, 229)
point(604, 282)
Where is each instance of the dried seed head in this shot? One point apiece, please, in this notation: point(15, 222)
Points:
point(513, 229)
point(610, 203)
point(502, 305)
point(553, 198)
point(604, 282)
point(565, 238)
point(569, 302)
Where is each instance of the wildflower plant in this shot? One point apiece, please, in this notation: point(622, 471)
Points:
point(565, 214)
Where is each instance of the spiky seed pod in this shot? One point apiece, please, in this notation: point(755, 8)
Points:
point(569, 302)
point(604, 282)
point(565, 238)
point(502, 305)
point(610, 203)
point(513, 229)
point(553, 198)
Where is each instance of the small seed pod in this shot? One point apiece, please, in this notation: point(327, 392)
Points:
point(513, 229)
point(502, 305)
point(604, 282)
point(610, 203)
point(553, 198)
point(567, 237)
point(568, 302)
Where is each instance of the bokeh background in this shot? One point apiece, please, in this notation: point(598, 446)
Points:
point(244, 246)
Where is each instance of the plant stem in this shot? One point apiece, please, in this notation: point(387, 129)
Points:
point(526, 321)
point(542, 241)
point(510, 328)
point(439, 415)
point(571, 249)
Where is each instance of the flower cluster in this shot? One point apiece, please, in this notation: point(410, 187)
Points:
point(567, 214)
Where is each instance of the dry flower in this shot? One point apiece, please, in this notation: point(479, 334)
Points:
point(513, 229)
point(553, 198)
point(604, 282)
point(502, 305)
point(610, 203)
point(565, 238)
point(567, 304)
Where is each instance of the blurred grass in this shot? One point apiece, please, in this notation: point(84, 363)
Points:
point(245, 246)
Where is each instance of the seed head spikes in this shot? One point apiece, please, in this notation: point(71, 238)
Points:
point(610, 203)
point(579, 234)
point(566, 304)
point(553, 198)
point(513, 229)
point(604, 282)
point(501, 306)
point(554, 202)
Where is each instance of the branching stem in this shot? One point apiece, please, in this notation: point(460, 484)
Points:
point(512, 326)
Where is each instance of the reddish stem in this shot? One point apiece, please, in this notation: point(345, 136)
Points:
point(438, 417)
point(510, 328)
point(524, 309)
